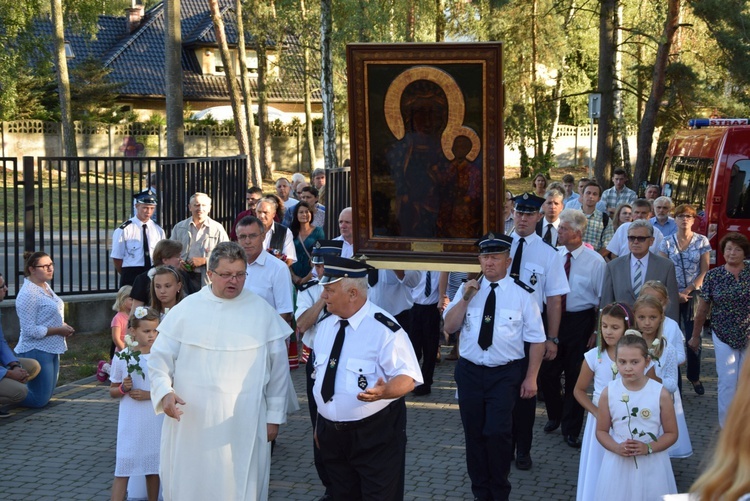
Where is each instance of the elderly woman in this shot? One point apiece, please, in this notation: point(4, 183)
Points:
point(726, 291)
point(43, 329)
point(690, 254)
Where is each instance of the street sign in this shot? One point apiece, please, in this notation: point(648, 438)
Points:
point(595, 105)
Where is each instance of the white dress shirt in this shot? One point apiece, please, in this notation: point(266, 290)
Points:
point(288, 248)
point(417, 293)
point(392, 294)
point(517, 320)
point(348, 249)
point(586, 278)
point(540, 268)
point(269, 277)
point(127, 242)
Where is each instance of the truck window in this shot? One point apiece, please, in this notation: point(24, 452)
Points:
point(738, 199)
point(688, 178)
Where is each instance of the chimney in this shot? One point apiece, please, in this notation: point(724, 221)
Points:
point(133, 17)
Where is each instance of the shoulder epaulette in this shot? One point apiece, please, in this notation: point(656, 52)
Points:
point(550, 244)
point(383, 319)
point(123, 225)
point(522, 285)
point(307, 285)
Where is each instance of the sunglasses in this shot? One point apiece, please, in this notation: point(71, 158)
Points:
point(633, 238)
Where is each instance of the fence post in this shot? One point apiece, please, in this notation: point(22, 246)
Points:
point(29, 235)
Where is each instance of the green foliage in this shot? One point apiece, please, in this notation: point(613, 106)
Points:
point(92, 95)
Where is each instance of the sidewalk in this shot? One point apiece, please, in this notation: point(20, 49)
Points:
point(67, 450)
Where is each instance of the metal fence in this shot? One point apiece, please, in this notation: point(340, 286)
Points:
point(69, 207)
point(338, 197)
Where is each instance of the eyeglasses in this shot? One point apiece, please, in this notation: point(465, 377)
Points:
point(228, 276)
point(251, 236)
point(4, 286)
point(634, 238)
point(47, 267)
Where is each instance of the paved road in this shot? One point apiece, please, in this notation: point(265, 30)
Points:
point(67, 451)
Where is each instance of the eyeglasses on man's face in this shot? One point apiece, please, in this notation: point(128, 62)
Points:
point(637, 238)
point(230, 276)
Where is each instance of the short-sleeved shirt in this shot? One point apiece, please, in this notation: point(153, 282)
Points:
point(371, 350)
point(127, 241)
point(687, 264)
point(540, 268)
point(517, 320)
point(269, 277)
point(729, 298)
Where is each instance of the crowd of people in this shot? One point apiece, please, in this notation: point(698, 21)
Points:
point(598, 289)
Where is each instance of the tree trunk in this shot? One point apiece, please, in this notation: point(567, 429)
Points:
point(306, 90)
point(648, 124)
point(603, 163)
point(326, 86)
point(263, 139)
point(173, 80)
point(439, 21)
point(63, 90)
point(537, 129)
point(231, 77)
point(254, 176)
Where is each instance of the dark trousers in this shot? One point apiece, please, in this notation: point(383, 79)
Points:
point(687, 323)
point(404, 320)
point(366, 462)
point(575, 330)
point(313, 408)
point(424, 334)
point(486, 397)
point(127, 277)
point(524, 414)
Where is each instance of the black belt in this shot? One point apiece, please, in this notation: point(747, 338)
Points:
point(353, 425)
point(590, 311)
point(507, 364)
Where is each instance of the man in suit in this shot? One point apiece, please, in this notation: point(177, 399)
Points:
point(552, 207)
point(626, 275)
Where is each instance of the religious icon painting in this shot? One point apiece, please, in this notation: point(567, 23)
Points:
point(427, 148)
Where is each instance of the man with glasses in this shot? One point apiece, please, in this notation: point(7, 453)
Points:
point(198, 234)
point(267, 276)
point(134, 241)
point(642, 210)
point(626, 275)
point(252, 197)
point(219, 371)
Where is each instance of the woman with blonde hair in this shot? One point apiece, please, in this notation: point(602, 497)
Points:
point(727, 477)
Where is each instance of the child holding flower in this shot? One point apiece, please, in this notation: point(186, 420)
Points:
point(635, 409)
point(138, 428)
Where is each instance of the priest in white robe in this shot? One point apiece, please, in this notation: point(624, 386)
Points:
point(219, 369)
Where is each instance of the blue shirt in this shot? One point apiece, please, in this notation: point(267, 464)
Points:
point(667, 229)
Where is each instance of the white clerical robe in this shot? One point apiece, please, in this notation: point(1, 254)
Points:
point(227, 359)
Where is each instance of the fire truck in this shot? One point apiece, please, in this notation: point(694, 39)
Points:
point(708, 166)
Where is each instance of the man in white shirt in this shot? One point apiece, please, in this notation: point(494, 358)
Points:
point(278, 238)
point(391, 290)
point(345, 229)
point(618, 246)
point(267, 276)
point(552, 207)
point(585, 269)
point(424, 328)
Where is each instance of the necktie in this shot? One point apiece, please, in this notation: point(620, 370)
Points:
point(515, 267)
point(638, 279)
point(146, 253)
point(564, 302)
point(548, 235)
point(329, 379)
point(428, 285)
point(488, 320)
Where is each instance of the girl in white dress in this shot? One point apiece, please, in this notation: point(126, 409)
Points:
point(166, 288)
point(633, 411)
point(138, 428)
point(672, 344)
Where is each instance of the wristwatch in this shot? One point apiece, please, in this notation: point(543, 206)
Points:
point(554, 340)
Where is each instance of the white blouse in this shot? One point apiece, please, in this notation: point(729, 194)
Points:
point(39, 308)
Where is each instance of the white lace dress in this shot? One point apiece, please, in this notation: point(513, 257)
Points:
point(138, 427)
point(619, 478)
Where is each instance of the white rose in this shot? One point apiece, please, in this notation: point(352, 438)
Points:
point(128, 339)
point(656, 343)
point(614, 368)
point(625, 398)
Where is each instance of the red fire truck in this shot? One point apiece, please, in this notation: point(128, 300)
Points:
point(708, 166)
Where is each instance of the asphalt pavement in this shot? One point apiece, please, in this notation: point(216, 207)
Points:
point(67, 450)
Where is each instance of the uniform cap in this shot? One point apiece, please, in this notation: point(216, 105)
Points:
point(336, 268)
point(326, 247)
point(147, 197)
point(494, 244)
point(527, 203)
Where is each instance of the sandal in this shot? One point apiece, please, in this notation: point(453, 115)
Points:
point(698, 387)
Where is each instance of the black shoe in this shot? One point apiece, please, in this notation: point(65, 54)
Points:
point(4, 414)
point(572, 441)
point(551, 425)
point(698, 387)
point(523, 461)
point(421, 390)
